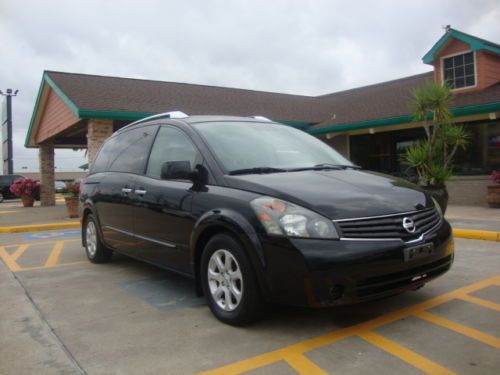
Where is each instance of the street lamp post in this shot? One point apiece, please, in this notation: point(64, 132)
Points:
point(7, 157)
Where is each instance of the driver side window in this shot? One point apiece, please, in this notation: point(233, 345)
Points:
point(171, 145)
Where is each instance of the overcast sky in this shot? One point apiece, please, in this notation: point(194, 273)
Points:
point(300, 47)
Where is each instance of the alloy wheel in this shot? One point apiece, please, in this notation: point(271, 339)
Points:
point(225, 280)
point(91, 238)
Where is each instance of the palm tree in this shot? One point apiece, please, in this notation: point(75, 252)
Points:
point(432, 158)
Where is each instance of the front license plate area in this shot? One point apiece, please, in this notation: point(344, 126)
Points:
point(418, 252)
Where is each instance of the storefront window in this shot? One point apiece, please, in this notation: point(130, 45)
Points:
point(482, 154)
point(383, 151)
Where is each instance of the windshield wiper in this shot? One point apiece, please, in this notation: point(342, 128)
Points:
point(323, 166)
point(257, 170)
point(341, 166)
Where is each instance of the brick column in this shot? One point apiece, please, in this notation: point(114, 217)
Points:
point(46, 160)
point(97, 132)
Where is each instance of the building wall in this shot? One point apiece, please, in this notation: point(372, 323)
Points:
point(468, 190)
point(55, 118)
point(453, 46)
point(488, 69)
point(487, 65)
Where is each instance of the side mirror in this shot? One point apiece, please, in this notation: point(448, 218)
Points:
point(176, 170)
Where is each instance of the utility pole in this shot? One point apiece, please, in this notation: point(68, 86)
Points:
point(7, 153)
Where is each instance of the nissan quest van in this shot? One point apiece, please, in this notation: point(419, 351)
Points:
point(257, 212)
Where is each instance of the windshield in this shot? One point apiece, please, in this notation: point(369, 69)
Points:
point(266, 147)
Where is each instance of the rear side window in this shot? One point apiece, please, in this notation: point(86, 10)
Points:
point(171, 145)
point(125, 152)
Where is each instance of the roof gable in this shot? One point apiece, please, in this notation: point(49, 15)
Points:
point(47, 86)
point(475, 43)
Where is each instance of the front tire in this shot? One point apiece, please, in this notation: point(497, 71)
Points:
point(229, 282)
point(95, 249)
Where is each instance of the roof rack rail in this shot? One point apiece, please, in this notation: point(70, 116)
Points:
point(171, 114)
point(261, 118)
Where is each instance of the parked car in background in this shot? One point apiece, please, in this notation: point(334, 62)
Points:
point(60, 186)
point(5, 182)
point(258, 212)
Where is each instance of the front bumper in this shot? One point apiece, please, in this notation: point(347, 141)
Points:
point(319, 273)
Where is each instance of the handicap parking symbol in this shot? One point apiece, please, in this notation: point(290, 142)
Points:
point(52, 235)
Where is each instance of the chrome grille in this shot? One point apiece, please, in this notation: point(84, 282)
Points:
point(390, 226)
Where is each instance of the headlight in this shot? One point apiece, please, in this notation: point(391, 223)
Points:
point(438, 208)
point(284, 218)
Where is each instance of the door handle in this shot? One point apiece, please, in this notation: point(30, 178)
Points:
point(140, 192)
point(126, 190)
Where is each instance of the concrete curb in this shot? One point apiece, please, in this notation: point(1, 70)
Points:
point(476, 234)
point(40, 227)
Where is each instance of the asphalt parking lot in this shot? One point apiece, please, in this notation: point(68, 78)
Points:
point(62, 314)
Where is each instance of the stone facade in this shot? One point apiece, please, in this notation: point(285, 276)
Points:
point(46, 159)
point(97, 132)
point(468, 190)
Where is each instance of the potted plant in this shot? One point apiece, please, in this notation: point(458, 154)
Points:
point(493, 197)
point(27, 189)
point(71, 197)
point(432, 157)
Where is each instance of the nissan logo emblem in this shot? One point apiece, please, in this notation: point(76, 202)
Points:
point(409, 225)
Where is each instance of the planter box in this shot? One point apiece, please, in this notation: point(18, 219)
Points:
point(493, 196)
point(72, 206)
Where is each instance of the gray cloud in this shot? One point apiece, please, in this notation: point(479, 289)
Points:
point(303, 47)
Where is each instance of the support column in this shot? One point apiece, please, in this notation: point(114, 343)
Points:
point(46, 160)
point(97, 132)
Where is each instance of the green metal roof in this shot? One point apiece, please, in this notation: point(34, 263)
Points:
point(475, 43)
point(404, 119)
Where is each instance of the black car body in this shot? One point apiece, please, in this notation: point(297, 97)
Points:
point(5, 182)
point(376, 235)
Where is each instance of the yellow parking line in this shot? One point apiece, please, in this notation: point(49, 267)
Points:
point(44, 267)
point(464, 330)
point(303, 365)
point(329, 338)
point(18, 252)
point(6, 257)
point(54, 254)
point(414, 359)
point(11, 259)
point(481, 302)
point(52, 261)
point(36, 243)
point(9, 212)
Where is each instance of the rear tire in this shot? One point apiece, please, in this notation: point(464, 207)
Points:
point(1, 198)
point(229, 282)
point(95, 249)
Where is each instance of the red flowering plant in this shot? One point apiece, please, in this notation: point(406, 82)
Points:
point(25, 186)
point(495, 177)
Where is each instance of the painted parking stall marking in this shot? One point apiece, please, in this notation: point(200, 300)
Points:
point(52, 234)
point(295, 356)
point(39, 255)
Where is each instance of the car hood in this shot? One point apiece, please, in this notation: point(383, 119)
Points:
point(337, 194)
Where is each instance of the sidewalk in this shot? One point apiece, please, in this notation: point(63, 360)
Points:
point(12, 213)
point(473, 217)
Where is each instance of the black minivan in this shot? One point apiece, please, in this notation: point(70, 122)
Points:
point(258, 212)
